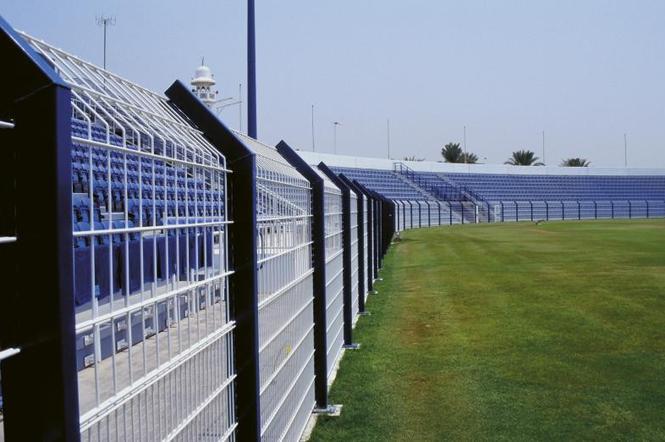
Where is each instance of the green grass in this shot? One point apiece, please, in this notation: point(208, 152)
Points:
point(511, 332)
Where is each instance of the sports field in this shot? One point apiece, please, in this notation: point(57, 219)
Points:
point(513, 332)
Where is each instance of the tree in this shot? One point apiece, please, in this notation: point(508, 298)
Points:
point(575, 162)
point(469, 158)
point(413, 158)
point(452, 153)
point(524, 158)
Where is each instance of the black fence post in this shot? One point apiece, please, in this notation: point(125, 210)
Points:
point(517, 212)
point(630, 210)
point(450, 213)
point(502, 214)
point(612, 205)
point(547, 211)
point(39, 384)
point(243, 283)
point(595, 209)
point(531, 208)
point(563, 211)
point(438, 203)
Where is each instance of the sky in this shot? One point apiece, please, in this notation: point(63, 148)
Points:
point(585, 72)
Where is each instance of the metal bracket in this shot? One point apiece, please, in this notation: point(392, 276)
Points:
point(354, 346)
point(330, 410)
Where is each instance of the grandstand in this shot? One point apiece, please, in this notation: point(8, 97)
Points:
point(194, 283)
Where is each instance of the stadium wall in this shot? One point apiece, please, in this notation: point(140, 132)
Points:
point(434, 166)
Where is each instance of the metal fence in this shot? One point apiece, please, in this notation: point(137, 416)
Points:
point(148, 311)
point(420, 213)
point(334, 278)
point(150, 264)
point(285, 295)
point(355, 265)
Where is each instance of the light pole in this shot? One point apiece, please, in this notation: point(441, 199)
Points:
point(105, 22)
point(313, 145)
point(335, 124)
point(251, 71)
point(464, 144)
point(388, 130)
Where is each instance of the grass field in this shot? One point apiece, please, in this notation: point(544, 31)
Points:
point(511, 332)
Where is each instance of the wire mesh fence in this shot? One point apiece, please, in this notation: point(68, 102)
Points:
point(412, 214)
point(285, 295)
point(150, 264)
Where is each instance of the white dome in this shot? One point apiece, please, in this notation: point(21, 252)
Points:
point(203, 76)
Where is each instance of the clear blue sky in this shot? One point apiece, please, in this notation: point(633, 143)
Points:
point(584, 71)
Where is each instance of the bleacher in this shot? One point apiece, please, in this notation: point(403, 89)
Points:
point(385, 182)
point(495, 187)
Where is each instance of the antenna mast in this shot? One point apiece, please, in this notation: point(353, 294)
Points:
point(105, 22)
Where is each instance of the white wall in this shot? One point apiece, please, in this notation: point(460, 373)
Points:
point(432, 166)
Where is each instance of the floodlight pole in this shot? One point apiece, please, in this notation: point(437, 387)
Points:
point(388, 133)
point(251, 71)
point(105, 22)
point(335, 124)
point(313, 143)
point(464, 144)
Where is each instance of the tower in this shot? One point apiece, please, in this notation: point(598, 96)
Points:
point(203, 83)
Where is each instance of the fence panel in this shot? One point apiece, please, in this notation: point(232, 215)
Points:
point(285, 290)
point(151, 270)
point(334, 275)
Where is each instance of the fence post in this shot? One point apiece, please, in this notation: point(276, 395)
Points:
point(595, 209)
point(547, 211)
point(517, 212)
point(450, 213)
point(502, 215)
point(243, 283)
point(439, 205)
point(461, 204)
point(531, 208)
point(630, 210)
point(563, 211)
point(612, 204)
point(488, 212)
point(37, 313)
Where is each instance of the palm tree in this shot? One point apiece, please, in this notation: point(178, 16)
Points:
point(452, 153)
point(575, 162)
point(469, 158)
point(524, 158)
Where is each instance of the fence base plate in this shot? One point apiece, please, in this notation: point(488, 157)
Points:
point(354, 346)
point(330, 410)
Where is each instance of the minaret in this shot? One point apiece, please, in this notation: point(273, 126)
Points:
point(203, 83)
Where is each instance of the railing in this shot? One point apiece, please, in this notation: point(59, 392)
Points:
point(412, 214)
point(418, 180)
